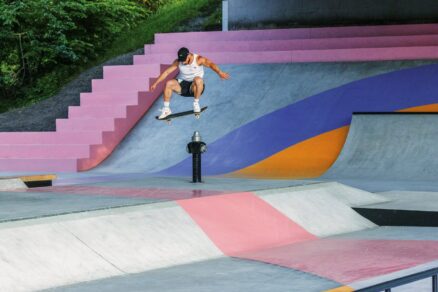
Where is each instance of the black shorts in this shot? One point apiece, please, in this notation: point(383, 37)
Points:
point(186, 88)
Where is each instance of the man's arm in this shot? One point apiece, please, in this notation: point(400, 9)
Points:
point(208, 63)
point(165, 73)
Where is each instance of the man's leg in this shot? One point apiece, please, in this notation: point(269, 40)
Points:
point(171, 86)
point(197, 88)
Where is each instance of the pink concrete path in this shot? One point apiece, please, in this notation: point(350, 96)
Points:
point(243, 222)
point(245, 226)
point(346, 260)
point(119, 100)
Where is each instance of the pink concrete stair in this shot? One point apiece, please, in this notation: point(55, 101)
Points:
point(39, 165)
point(299, 33)
point(42, 151)
point(335, 55)
point(123, 71)
point(50, 138)
point(120, 85)
point(105, 98)
point(99, 111)
point(119, 100)
point(298, 44)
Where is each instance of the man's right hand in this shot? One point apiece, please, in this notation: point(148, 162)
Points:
point(153, 86)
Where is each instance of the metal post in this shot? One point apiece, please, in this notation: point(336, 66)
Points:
point(196, 148)
point(225, 15)
point(435, 283)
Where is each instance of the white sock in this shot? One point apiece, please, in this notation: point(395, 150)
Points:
point(196, 100)
point(166, 104)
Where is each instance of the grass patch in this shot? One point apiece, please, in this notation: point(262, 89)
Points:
point(169, 18)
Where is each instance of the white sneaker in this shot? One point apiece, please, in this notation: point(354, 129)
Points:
point(165, 111)
point(196, 107)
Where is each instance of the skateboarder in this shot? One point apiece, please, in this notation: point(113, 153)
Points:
point(189, 81)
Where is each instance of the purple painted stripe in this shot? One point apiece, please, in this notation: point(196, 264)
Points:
point(315, 115)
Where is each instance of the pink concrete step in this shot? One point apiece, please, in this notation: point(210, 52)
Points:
point(85, 124)
point(296, 44)
point(366, 54)
point(129, 71)
point(299, 33)
point(8, 138)
point(120, 85)
point(116, 98)
point(54, 165)
point(103, 111)
point(224, 57)
point(41, 151)
point(334, 55)
point(121, 128)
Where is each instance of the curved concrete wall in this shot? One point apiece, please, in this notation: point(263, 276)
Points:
point(330, 11)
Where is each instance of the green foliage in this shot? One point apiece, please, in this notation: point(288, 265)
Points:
point(40, 35)
point(47, 43)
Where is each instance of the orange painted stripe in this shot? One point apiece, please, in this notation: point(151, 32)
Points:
point(307, 159)
point(423, 108)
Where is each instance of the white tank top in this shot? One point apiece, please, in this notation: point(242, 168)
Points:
point(190, 71)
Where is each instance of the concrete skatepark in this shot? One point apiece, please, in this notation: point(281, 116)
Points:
point(313, 126)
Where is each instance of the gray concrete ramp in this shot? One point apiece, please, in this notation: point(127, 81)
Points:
point(389, 150)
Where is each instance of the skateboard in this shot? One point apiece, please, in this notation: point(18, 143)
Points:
point(169, 118)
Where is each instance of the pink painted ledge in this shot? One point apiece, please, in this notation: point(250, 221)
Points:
point(296, 44)
point(31, 165)
point(300, 33)
point(335, 55)
point(28, 138)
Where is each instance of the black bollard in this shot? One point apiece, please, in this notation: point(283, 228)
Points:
point(196, 148)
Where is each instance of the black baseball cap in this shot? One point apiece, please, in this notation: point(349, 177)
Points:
point(182, 54)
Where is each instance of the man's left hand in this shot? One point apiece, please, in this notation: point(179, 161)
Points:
point(224, 75)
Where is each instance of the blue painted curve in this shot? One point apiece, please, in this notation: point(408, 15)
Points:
point(313, 116)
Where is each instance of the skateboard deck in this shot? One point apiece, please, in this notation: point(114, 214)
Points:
point(181, 114)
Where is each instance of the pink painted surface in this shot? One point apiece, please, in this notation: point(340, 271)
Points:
point(41, 151)
point(85, 124)
point(148, 193)
point(103, 111)
point(335, 55)
point(116, 98)
point(224, 58)
point(121, 127)
point(127, 83)
point(23, 164)
point(243, 222)
point(299, 33)
point(297, 44)
point(27, 138)
point(123, 71)
point(347, 261)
